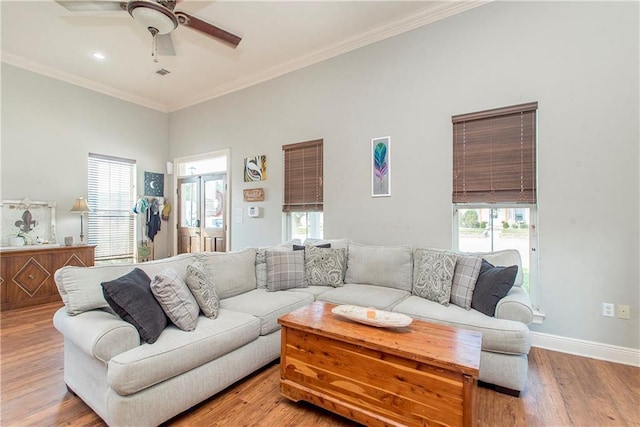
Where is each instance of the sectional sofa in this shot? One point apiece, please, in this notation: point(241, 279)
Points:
point(127, 381)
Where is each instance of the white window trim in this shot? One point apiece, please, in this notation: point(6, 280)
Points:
point(286, 227)
point(534, 284)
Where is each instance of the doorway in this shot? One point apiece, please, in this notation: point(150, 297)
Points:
point(202, 221)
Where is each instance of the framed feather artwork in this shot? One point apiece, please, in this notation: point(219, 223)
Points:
point(381, 167)
point(255, 168)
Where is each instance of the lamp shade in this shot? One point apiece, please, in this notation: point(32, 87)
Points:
point(80, 205)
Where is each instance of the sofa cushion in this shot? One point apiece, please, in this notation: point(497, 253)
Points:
point(312, 290)
point(80, 287)
point(465, 277)
point(389, 266)
point(435, 275)
point(176, 352)
point(131, 298)
point(325, 267)
point(267, 306)
point(175, 299)
point(285, 270)
point(380, 297)
point(498, 335)
point(232, 272)
point(203, 289)
point(493, 284)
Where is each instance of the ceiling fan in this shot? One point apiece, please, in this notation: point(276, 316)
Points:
point(158, 17)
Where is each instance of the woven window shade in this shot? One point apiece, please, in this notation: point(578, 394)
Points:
point(303, 165)
point(494, 155)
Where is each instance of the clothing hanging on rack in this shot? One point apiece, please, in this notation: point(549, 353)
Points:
point(153, 219)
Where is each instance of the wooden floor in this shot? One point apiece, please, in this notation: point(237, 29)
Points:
point(562, 390)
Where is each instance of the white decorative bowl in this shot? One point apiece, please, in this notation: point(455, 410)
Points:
point(372, 316)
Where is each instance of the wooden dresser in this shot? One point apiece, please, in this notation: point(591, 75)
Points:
point(26, 275)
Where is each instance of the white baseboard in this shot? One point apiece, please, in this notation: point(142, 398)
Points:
point(594, 350)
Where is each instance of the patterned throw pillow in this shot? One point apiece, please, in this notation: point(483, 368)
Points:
point(465, 277)
point(435, 276)
point(285, 270)
point(203, 289)
point(325, 267)
point(175, 299)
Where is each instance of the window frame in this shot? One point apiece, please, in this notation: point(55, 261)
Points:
point(490, 173)
point(533, 239)
point(126, 204)
point(303, 186)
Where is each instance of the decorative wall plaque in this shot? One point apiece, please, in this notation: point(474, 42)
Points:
point(254, 195)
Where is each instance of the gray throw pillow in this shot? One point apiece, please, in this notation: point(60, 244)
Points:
point(175, 299)
point(493, 284)
point(131, 298)
point(261, 264)
point(325, 267)
point(435, 276)
point(203, 289)
point(285, 270)
point(465, 276)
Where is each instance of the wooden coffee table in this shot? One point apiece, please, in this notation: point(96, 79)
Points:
point(423, 374)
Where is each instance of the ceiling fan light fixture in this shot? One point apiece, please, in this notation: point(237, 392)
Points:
point(153, 15)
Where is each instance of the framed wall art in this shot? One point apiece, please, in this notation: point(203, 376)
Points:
point(255, 168)
point(381, 167)
point(153, 184)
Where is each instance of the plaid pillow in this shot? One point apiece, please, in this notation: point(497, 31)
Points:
point(464, 280)
point(285, 270)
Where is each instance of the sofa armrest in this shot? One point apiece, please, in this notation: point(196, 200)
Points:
point(98, 333)
point(515, 306)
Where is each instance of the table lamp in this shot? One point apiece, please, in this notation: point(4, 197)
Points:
point(80, 206)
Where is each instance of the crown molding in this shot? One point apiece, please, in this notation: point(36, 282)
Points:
point(434, 12)
point(54, 73)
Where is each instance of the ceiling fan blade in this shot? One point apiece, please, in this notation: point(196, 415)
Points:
point(92, 6)
point(165, 45)
point(207, 28)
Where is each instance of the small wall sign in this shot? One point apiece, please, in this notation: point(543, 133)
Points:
point(253, 195)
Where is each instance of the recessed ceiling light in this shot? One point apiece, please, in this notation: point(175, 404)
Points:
point(99, 56)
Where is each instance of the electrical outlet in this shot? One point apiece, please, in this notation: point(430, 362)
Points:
point(608, 309)
point(623, 311)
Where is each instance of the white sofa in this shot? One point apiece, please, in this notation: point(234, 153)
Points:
point(128, 383)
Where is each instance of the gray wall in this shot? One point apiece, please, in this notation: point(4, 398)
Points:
point(579, 60)
point(48, 129)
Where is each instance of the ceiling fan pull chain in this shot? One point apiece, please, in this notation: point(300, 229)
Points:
point(154, 43)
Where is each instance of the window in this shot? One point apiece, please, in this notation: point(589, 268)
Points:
point(481, 228)
point(303, 190)
point(111, 197)
point(495, 184)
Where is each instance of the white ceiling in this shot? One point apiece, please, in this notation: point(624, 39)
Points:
point(277, 37)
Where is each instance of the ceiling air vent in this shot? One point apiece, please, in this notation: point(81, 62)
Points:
point(162, 72)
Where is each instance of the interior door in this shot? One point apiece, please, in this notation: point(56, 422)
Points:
point(201, 213)
point(214, 226)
